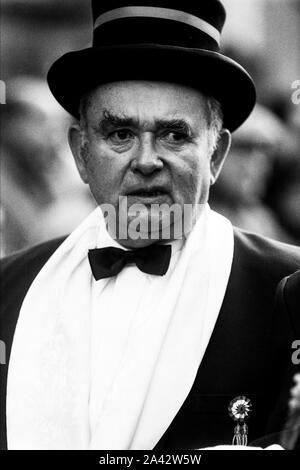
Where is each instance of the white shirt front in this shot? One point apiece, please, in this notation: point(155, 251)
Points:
point(108, 364)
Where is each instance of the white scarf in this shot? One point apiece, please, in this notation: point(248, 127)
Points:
point(108, 364)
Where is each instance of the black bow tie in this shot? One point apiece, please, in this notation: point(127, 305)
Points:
point(108, 262)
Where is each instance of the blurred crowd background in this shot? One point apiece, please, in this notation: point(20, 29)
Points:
point(42, 195)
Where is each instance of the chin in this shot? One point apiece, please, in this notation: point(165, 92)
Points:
point(135, 244)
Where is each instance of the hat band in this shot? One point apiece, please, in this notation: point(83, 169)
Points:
point(160, 13)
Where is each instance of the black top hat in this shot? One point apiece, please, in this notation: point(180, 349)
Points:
point(158, 40)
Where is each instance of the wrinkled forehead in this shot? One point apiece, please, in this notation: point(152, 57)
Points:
point(145, 100)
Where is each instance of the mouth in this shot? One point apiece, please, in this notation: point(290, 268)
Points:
point(154, 192)
point(147, 193)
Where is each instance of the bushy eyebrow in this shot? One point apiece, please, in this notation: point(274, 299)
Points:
point(110, 120)
point(115, 120)
point(178, 125)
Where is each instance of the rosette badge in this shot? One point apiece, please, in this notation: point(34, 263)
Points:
point(239, 410)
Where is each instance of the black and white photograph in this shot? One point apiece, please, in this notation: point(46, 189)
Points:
point(150, 229)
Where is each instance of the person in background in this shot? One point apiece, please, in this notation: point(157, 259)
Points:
point(284, 188)
point(240, 190)
point(41, 194)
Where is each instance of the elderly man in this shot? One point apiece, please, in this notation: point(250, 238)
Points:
point(141, 328)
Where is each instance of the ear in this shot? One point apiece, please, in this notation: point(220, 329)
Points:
point(219, 155)
point(78, 151)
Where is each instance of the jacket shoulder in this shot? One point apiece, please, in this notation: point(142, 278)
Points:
point(27, 263)
point(32, 252)
point(270, 255)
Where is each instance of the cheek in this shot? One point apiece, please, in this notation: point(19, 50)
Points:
point(193, 177)
point(103, 176)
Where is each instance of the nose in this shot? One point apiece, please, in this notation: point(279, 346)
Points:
point(146, 159)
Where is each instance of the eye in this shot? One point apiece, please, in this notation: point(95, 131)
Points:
point(175, 137)
point(121, 136)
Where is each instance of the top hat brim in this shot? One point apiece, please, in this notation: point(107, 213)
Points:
point(212, 73)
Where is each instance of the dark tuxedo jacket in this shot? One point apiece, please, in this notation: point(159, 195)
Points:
point(248, 354)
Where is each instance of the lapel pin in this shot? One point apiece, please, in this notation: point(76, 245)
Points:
point(239, 410)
